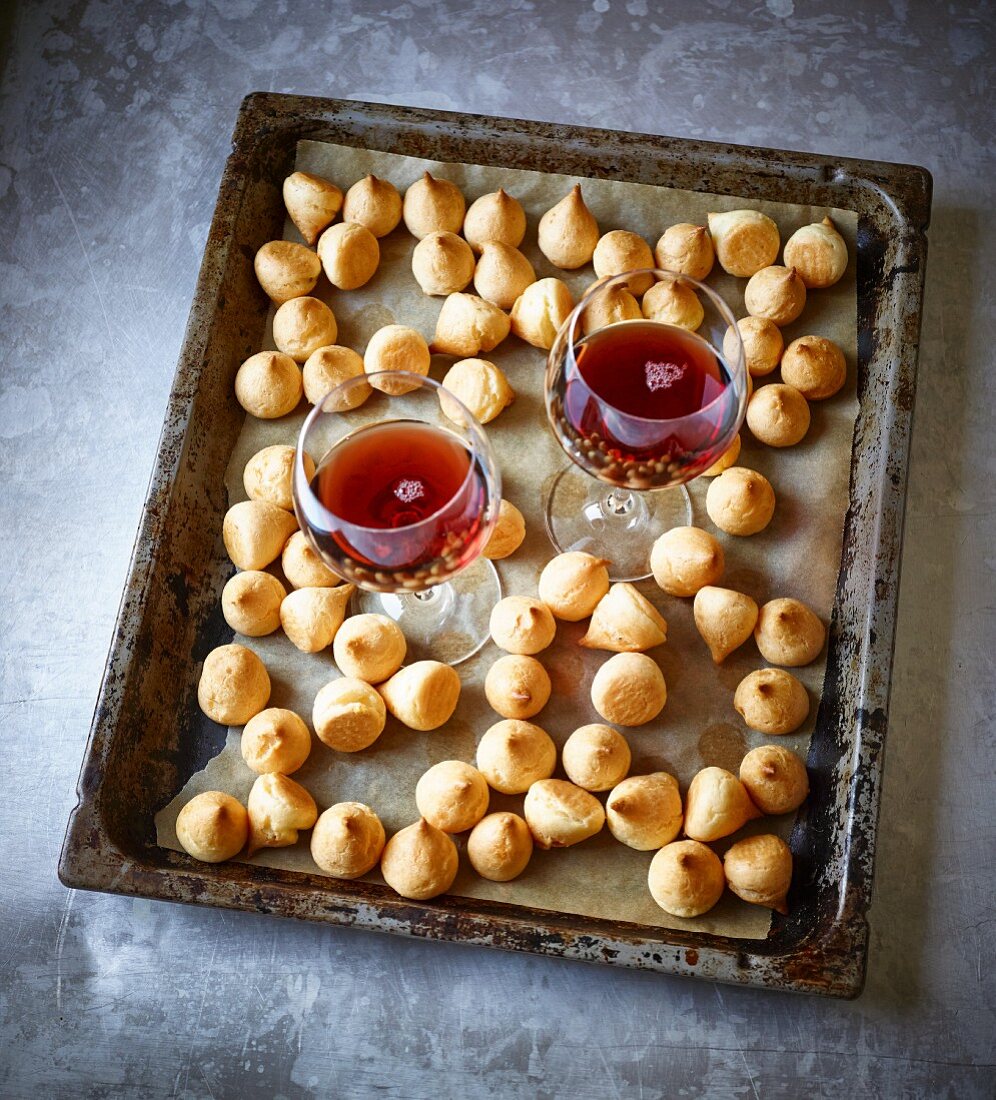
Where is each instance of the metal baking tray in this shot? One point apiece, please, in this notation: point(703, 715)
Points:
point(148, 735)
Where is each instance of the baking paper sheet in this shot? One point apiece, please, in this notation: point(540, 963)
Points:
point(797, 555)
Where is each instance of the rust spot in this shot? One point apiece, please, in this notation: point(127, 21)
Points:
point(905, 393)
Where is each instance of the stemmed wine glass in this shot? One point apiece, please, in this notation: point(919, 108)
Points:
point(638, 405)
point(404, 497)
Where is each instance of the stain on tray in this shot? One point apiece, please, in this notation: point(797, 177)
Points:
point(723, 745)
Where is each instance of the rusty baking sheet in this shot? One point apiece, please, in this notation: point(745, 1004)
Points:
point(148, 734)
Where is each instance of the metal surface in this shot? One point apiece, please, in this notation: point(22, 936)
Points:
point(115, 121)
point(148, 734)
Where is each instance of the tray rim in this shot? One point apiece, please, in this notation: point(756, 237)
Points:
point(835, 963)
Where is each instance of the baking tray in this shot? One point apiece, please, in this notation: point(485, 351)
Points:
point(148, 735)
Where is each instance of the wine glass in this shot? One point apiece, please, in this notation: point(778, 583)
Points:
point(638, 405)
point(404, 498)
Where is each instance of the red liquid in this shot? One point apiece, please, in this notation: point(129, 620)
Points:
point(392, 475)
point(646, 404)
point(650, 370)
point(396, 496)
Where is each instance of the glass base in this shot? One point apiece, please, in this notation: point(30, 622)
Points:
point(448, 623)
point(620, 525)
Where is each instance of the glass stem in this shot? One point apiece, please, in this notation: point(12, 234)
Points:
point(617, 502)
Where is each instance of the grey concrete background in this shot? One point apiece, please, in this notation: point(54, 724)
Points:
point(115, 124)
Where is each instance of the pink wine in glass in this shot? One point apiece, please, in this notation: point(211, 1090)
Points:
point(646, 404)
point(399, 502)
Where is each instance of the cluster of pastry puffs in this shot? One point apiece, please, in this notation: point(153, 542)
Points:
point(515, 756)
point(812, 367)
point(470, 257)
point(645, 812)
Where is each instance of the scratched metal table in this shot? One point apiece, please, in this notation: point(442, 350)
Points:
point(115, 122)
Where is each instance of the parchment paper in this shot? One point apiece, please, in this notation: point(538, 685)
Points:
point(797, 555)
